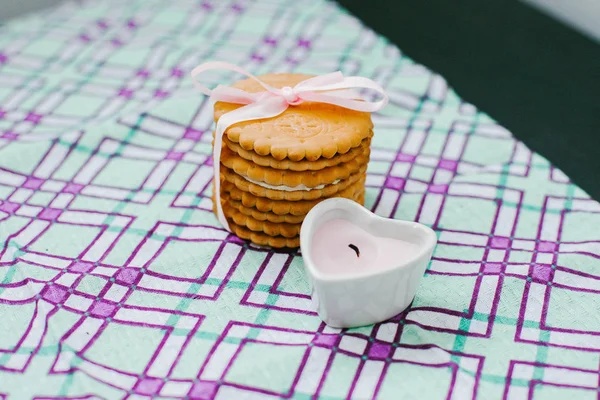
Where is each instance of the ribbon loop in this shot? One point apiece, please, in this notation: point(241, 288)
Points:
point(332, 88)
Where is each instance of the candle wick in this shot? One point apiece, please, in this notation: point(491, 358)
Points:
point(353, 247)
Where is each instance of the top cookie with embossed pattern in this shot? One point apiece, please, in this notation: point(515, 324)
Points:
point(306, 131)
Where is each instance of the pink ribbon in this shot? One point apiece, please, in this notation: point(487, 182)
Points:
point(333, 88)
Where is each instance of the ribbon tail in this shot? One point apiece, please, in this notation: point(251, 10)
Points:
point(266, 108)
point(327, 94)
point(345, 101)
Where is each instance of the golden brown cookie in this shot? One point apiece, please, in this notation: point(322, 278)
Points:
point(270, 216)
point(270, 228)
point(266, 239)
point(306, 131)
point(262, 223)
point(302, 165)
point(267, 233)
point(279, 177)
point(295, 195)
point(262, 239)
point(285, 207)
point(259, 215)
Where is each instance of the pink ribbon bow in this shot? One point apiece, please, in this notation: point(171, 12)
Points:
point(333, 88)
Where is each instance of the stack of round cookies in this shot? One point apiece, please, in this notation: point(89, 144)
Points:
point(273, 171)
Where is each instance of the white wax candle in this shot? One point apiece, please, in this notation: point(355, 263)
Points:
point(341, 247)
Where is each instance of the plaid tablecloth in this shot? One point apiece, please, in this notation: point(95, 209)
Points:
point(117, 282)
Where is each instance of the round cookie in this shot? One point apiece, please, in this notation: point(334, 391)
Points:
point(270, 228)
point(302, 165)
point(259, 215)
point(292, 179)
point(270, 216)
point(296, 195)
point(306, 131)
point(284, 229)
point(268, 234)
point(262, 239)
point(285, 207)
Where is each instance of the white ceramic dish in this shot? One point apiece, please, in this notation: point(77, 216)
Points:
point(351, 300)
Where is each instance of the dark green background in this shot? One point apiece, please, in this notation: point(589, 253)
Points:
point(537, 77)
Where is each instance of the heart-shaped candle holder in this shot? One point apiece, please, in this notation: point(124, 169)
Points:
point(363, 268)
